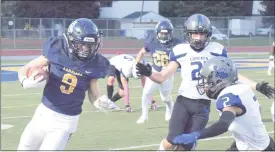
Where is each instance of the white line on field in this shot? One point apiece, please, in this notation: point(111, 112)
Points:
point(30, 105)
point(85, 111)
point(151, 145)
point(38, 93)
point(10, 107)
point(138, 97)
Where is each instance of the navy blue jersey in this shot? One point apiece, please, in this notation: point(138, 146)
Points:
point(69, 79)
point(159, 52)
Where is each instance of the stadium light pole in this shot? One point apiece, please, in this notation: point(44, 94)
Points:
point(140, 19)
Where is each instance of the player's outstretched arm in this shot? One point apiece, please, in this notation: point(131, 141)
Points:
point(22, 73)
point(100, 102)
point(93, 91)
point(126, 90)
point(140, 54)
point(262, 87)
point(158, 77)
point(220, 127)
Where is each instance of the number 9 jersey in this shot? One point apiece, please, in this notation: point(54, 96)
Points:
point(159, 52)
point(69, 79)
point(191, 63)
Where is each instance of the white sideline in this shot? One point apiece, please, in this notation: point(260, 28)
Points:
point(151, 145)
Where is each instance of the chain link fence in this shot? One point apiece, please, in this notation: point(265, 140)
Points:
point(30, 33)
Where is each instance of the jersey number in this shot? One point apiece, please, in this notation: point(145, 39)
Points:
point(226, 102)
point(161, 59)
point(126, 57)
point(70, 81)
point(195, 72)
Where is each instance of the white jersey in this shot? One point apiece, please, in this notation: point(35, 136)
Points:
point(124, 64)
point(248, 129)
point(191, 63)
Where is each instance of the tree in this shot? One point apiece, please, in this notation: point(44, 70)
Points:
point(208, 8)
point(52, 9)
point(268, 7)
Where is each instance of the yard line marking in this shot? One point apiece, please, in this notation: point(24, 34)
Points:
point(20, 94)
point(85, 111)
point(151, 145)
point(4, 118)
point(38, 93)
point(138, 97)
point(10, 107)
point(6, 126)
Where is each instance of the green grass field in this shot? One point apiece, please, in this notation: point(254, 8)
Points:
point(117, 129)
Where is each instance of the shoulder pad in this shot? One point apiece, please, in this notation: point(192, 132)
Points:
point(101, 65)
point(181, 48)
point(54, 44)
point(217, 49)
point(102, 61)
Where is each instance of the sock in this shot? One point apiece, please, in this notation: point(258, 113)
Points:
point(144, 104)
point(110, 91)
point(116, 97)
point(161, 148)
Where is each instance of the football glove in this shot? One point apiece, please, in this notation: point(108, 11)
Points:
point(142, 69)
point(186, 138)
point(265, 89)
point(102, 103)
point(134, 71)
point(30, 82)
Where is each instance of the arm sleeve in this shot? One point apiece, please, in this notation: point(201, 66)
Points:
point(219, 127)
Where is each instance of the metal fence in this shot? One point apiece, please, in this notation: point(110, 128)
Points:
point(228, 30)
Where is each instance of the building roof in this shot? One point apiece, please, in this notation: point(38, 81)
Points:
point(135, 15)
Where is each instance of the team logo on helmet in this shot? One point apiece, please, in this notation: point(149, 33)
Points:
point(221, 72)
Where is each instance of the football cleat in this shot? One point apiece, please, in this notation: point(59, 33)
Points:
point(129, 109)
point(142, 119)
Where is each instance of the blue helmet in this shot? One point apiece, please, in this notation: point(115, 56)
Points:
point(198, 24)
point(164, 31)
point(83, 39)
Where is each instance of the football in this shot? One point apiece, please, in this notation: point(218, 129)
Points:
point(41, 71)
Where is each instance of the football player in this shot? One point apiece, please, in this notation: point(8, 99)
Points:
point(191, 109)
point(237, 105)
point(120, 63)
point(271, 60)
point(159, 47)
point(74, 68)
point(122, 68)
point(270, 68)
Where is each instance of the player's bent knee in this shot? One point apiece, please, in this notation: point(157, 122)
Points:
point(166, 99)
point(167, 145)
point(187, 147)
point(111, 80)
point(121, 92)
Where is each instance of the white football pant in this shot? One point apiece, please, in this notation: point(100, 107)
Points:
point(165, 90)
point(270, 65)
point(48, 130)
point(272, 111)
